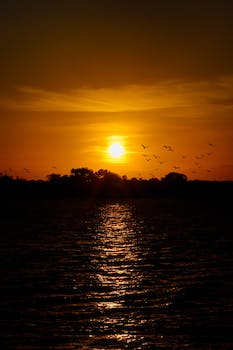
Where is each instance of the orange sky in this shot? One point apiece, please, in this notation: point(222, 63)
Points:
point(81, 74)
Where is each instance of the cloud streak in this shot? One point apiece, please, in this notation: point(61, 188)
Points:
point(168, 94)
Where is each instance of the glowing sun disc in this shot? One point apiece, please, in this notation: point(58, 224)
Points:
point(116, 150)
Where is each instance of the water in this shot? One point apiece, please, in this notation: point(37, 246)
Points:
point(139, 274)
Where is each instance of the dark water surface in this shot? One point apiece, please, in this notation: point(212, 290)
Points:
point(140, 274)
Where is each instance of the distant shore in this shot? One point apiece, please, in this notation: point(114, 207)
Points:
point(84, 182)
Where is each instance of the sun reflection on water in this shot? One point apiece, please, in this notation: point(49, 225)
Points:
point(117, 275)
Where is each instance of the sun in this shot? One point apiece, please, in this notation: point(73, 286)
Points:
point(116, 150)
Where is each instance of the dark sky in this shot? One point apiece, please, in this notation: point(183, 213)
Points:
point(66, 44)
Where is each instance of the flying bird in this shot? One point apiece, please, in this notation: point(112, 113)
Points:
point(168, 148)
point(27, 170)
point(201, 156)
point(143, 146)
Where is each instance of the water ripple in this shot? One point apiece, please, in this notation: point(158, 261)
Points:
point(115, 275)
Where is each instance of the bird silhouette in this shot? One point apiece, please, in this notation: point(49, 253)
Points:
point(201, 156)
point(168, 148)
point(27, 170)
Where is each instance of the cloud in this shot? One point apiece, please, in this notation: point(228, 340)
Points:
point(167, 94)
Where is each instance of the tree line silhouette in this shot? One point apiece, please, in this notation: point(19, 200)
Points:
point(84, 182)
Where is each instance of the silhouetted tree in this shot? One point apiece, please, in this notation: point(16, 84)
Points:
point(84, 182)
point(54, 177)
point(110, 184)
point(174, 178)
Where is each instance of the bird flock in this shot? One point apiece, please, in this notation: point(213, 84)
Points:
point(198, 161)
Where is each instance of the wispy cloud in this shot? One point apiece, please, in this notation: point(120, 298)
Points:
point(168, 94)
